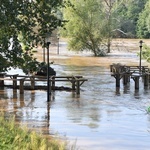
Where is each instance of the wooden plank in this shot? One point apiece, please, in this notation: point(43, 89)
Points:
point(9, 79)
point(76, 81)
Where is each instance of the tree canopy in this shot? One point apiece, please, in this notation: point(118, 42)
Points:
point(84, 26)
point(23, 24)
point(92, 24)
point(143, 24)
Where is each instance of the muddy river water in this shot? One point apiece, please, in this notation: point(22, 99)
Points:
point(103, 117)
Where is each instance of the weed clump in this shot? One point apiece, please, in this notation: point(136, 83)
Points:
point(13, 137)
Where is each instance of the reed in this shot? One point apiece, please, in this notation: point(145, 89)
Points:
point(14, 137)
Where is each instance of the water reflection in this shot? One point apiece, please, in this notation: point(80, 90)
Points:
point(48, 114)
point(102, 117)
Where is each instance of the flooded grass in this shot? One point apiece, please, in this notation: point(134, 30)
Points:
point(14, 137)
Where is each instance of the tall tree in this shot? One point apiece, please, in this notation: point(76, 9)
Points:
point(108, 9)
point(85, 26)
point(25, 23)
point(128, 14)
point(143, 24)
point(91, 24)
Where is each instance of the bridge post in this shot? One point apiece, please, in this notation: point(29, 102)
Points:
point(2, 75)
point(15, 81)
point(21, 86)
point(117, 77)
point(146, 79)
point(136, 80)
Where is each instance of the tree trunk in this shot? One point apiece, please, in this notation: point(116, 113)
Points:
point(108, 45)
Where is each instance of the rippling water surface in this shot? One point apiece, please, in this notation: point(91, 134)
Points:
point(103, 117)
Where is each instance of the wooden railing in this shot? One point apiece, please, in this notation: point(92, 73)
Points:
point(76, 81)
point(126, 72)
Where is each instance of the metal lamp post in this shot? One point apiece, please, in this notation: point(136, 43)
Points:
point(47, 40)
point(58, 44)
point(44, 50)
point(141, 42)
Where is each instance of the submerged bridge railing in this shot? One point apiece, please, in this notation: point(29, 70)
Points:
point(76, 81)
point(119, 71)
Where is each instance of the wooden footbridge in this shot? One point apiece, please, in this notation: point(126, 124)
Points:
point(76, 81)
point(126, 73)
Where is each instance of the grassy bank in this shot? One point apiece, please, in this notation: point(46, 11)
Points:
point(13, 137)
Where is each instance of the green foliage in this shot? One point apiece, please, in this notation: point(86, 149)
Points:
point(148, 109)
point(146, 53)
point(92, 24)
point(85, 27)
point(128, 15)
point(24, 24)
point(12, 137)
point(143, 24)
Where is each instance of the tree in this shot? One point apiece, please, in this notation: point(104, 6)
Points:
point(23, 24)
point(91, 25)
point(108, 9)
point(85, 26)
point(128, 15)
point(143, 24)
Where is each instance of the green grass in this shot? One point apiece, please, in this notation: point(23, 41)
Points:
point(13, 137)
point(148, 109)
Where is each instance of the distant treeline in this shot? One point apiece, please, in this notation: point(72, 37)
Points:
point(91, 24)
point(134, 18)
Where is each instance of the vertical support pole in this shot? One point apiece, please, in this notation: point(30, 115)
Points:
point(53, 83)
point(146, 79)
point(117, 76)
point(58, 46)
point(140, 61)
point(2, 81)
point(32, 82)
point(128, 78)
point(15, 81)
point(125, 79)
point(78, 87)
point(73, 83)
point(21, 86)
point(141, 42)
point(48, 81)
point(44, 50)
point(136, 80)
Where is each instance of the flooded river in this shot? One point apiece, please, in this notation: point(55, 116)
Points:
point(103, 117)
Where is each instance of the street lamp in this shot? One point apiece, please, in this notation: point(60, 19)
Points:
point(58, 44)
point(44, 50)
point(47, 42)
point(141, 42)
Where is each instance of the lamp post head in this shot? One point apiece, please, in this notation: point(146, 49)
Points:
point(141, 42)
point(47, 40)
point(58, 36)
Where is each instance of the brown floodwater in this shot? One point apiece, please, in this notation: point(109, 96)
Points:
point(103, 117)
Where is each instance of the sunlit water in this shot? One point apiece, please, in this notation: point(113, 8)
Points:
point(103, 117)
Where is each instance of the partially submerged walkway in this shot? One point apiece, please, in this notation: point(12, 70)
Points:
point(76, 82)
